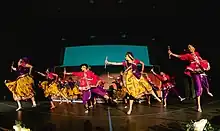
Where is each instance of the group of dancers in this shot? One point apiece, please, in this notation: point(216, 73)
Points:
point(130, 85)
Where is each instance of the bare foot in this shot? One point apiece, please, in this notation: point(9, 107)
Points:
point(210, 94)
point(52, 107)
point(199, 110)
point(19, 108)
point(182, 99)
point(129, 112)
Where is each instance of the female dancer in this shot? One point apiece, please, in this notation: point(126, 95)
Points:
point(196, 70)
point(22, 88)
point(72, 89)
point(134, 81)
point(121, 91)
point(50, 86)
point(167, 85)
point(88, 84)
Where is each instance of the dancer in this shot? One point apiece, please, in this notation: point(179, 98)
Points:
point(88, 83)
point(167, 86)
point(148, 79)
point(196, 70)
point(134, 81)
point(22, 88)
point(72, 89)
point(50, 87)
point(119, 90)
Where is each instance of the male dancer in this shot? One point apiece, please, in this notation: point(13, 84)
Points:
point(167, 86)
point(196, 70)
point(88, 84)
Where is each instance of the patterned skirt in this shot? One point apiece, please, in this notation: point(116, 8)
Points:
point(22, 88)
point(50, 89)
point(136, 87)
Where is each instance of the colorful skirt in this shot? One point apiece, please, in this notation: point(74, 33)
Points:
point(120, 93)
point(50, 89)
point(64, 92)
point(136, 87)
point(74, 91)
point(22, 88)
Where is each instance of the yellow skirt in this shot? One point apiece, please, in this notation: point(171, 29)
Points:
point(74, 91)
point(120, 93)
point(49, 90)
point(136, 87)
point(22, 88)
point(64, 92)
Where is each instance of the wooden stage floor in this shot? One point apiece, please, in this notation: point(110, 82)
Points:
point(71, 117)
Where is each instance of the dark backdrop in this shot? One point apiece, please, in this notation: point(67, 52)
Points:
point(41, 29)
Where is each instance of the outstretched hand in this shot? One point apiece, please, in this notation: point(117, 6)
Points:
point(170, 52)
point(106, 62)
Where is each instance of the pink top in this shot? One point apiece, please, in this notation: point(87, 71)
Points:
point(50, 75)
point(196, 63)
point(87, 78)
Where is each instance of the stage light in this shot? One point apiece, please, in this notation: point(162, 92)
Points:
point(153, 38)
point(154, 6)
point(120, 1)
point(92, 37)
point(91, 1)
point(58, 9)
point(124, 35)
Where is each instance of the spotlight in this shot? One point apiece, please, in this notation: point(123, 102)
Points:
point(124, 35)
point(153, 38)
point(92, 37)
point(120, 1)
point(91, 1)
point(154, 6)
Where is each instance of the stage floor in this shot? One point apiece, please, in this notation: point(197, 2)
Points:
point(71, 117)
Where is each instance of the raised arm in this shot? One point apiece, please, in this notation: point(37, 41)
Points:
point(42, 74)
point(181, 57)
point(142, 66)
point(13, 68)
point(68, 73)
point(158, 76)
point(55, 76)
point(172, 54)
point(113, 63)
point(30, 68)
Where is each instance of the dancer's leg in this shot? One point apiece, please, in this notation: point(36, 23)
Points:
point(205, 84)
point(86, 96)
point(199, 90)
point(19, 105)
point(165, 94)
point(176, 92)
point(131, 101)
point(154, 95)
point(33, 102)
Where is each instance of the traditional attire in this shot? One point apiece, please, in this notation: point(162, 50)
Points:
point(135, 83)
point(50, 87)
point(88, 85)
point(167, 85)
point(72, 89)
point(196, 70)
point(22, 88)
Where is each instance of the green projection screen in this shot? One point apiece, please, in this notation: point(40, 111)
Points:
point(95, 55)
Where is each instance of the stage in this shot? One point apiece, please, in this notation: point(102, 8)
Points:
point(71, 117)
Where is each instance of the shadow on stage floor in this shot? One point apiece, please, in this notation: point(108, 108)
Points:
point(71, 117)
